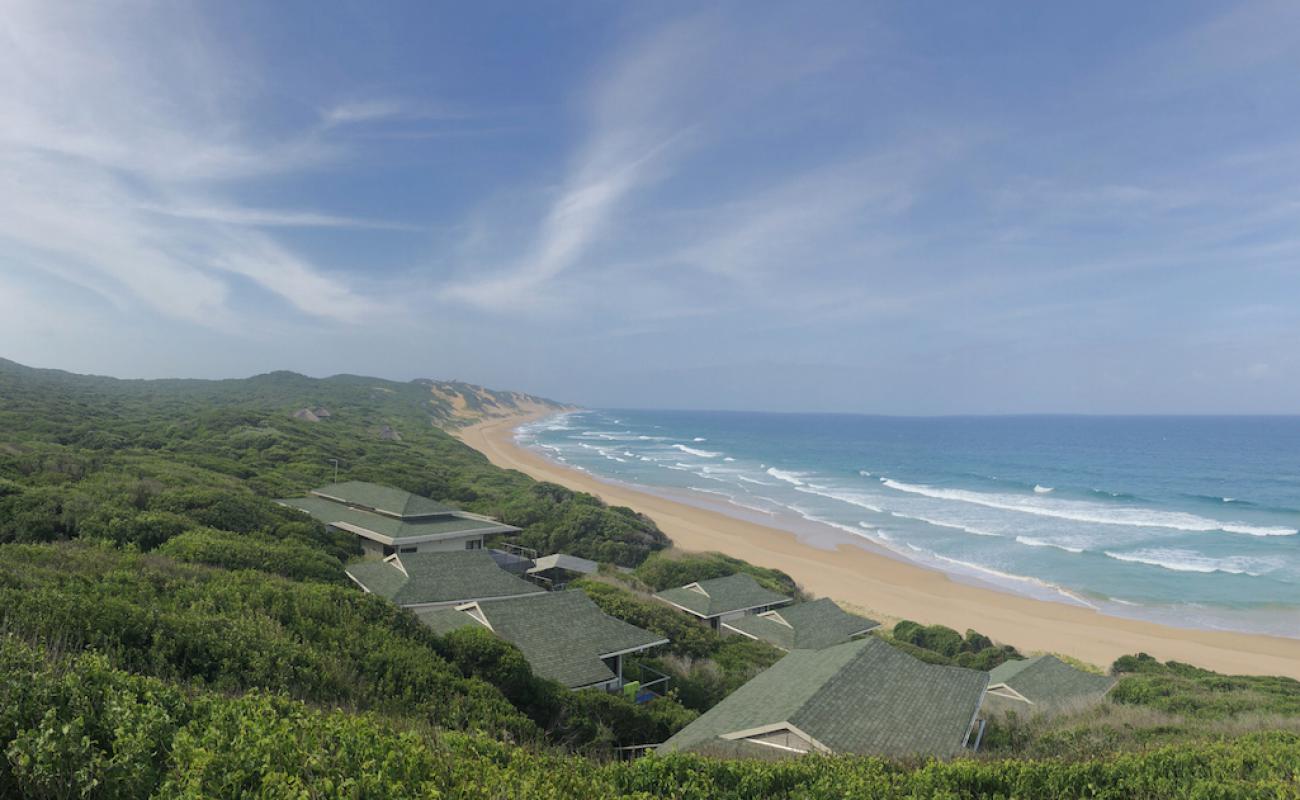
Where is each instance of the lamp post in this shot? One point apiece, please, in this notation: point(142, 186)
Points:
point(336, 469)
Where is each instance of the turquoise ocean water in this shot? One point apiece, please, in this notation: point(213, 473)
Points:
point(1190, 521)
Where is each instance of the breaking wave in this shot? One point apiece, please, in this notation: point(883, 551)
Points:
point(1190, 561)
point(694, 452)
point(1088, 512)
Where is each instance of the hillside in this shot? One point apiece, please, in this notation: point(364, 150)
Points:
point(167, 630)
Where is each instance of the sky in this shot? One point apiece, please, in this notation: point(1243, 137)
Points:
point(903, 208)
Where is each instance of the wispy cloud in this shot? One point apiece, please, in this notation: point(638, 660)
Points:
point(113, 170)
point(660, 109)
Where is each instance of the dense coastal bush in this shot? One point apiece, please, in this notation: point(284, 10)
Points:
point(1191, 691)
point(290, 559)
point(138, 462)
point(236, 631)
point(668, 569)
point(939, 644)
point(78, 727)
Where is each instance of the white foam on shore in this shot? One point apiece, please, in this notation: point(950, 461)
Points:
point(1040, 489)
point(1088, 512)
point(1180, 560)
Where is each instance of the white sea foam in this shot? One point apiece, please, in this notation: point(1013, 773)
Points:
point(864, 473)
point(1040, 489)
point(1088, 512)
point(694, 452)
point(1032, 542)
point(940, 524)
point(844, 497)
point(728, 458)
point(788, 477)
point(699, 439)
point(1180, 560)
point(1061, 590)
point(748, 479)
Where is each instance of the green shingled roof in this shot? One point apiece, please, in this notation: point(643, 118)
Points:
point(563, 635)
point(455, 576)
point(803, 626)
point(445, 620)
point(718, 596)
point(1046, 682)
point(384, 499)
point(332, 513)
point(861, 697)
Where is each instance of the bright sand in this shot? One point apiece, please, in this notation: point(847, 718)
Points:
point(894, 588)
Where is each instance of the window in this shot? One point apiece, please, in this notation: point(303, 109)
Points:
point(409, 549)
point(474, 544)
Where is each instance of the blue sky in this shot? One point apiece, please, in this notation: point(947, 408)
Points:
point(903, 207)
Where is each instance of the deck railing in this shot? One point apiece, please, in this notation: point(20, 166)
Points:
point(650, 683)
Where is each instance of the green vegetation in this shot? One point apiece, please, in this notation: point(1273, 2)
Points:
point(236, 631)
point(1199, 693)
point(76, 727)
point(669, 569)
point(138, 462)
point(705, 667)
point(938, 644)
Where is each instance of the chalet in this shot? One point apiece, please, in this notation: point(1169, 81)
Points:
point(389, 520)
point(863, 697)
point(564, 635)
point(718, 600)
point(803, 626)
point(1044, 684)
point(431, 580)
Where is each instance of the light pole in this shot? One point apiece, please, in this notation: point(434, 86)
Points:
point(336, 469)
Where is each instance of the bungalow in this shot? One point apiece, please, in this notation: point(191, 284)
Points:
point(803, 626)
point(863, 697)
point(430, 580)
point(721, 599)
point(564, 635)
point(389, 520)
point(1044, 684)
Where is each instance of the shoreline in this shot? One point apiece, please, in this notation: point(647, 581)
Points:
point(897, 588)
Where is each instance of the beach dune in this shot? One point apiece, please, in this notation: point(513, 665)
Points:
point(894, 588)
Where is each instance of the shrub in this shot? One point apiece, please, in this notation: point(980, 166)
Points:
point(668, 569)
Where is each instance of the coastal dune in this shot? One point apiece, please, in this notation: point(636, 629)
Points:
point(895, 588)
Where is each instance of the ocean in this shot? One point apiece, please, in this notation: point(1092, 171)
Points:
point(1188, 521)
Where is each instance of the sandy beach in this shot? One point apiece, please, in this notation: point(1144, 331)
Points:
point(899, 589)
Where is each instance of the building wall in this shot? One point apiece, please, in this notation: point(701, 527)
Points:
point(373, 549)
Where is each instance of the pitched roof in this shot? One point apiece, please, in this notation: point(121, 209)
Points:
point(564, 635)
point(451, 577)
point(716, 596)
point(803, 626)
point(391, 530)
point(1048, 682)
point(861, 697)
point(383, 499)
point(566, 562)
